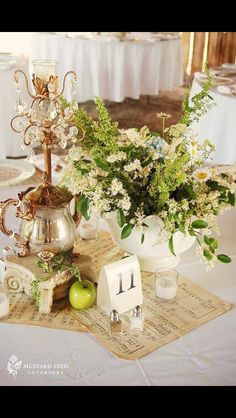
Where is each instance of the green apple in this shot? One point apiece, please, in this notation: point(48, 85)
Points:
point(82, 294)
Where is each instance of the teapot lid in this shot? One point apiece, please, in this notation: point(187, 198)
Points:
point(45, 194)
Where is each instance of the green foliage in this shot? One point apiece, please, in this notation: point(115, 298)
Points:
point(142, 238)
point(207, 254)
point(231, 198)
point(199, 224)
point(224, 258)
point(105, 130)
point(196, 107)
point(126, 231)
point(136, 173)
point(120, 217)
point(171, 246)
point(185, 191)
point(36, 292)
point(59, 263)
point(82, 206)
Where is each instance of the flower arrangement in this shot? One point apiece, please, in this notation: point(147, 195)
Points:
point(137, 173)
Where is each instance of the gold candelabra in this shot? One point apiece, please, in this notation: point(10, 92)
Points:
point(46, 122)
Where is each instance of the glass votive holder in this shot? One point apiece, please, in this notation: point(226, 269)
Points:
point(166, 283)
point(88, 229)
point(4, 305)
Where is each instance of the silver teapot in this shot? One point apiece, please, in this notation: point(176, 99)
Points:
point(47, 224)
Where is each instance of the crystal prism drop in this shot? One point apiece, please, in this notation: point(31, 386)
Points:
point(63, 143)
point(74, 105)
point(21, 124)
point(52, 111)
point(20, 107)
point(31, 157)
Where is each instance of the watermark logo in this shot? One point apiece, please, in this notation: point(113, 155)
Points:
point(14, 365)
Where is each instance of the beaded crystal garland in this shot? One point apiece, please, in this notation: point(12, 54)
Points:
point(45, 123)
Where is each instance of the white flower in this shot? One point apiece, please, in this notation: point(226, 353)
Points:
point(202, 174)
point(119, 156)
point(193, 151)
point(163, 236)
point(134, 165)
point(124, 203)
point(138, 219)
point(116, 187)
point(75, 154)
point(184, 205)
point(131, 136)
point(176, 131)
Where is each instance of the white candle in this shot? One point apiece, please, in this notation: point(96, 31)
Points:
point(166, 283)
point(88, 231)
point(4, 305)
point(166, 288)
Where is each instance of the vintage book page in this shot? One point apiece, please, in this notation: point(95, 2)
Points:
point(24, 311)
point(164, 321)
point(102, 251)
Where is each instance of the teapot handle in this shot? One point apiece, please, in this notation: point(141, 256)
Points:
point(19, 241)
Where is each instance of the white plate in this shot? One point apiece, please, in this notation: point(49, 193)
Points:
point(14, 171)
point(5, 65)
point(57, 162)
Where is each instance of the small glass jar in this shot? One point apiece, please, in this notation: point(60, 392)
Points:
point(88, 229)
point(114, 322)
point(137, 317)
point(166, 283)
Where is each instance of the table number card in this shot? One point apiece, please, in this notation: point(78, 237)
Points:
point(120, 286)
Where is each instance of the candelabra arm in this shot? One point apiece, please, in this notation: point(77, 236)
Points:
point(64, 82)
point(26, 82)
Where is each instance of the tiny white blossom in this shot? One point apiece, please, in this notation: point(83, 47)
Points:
point(134, 165)
point(116, 187)
point(119, 156)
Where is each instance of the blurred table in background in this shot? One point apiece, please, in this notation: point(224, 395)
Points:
point(114, 68)
point(10, 141)
point(219, 124)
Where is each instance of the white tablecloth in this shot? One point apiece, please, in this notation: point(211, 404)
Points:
point(218, 125)
point(111, 69)
point(204, 356)
point(10, 141)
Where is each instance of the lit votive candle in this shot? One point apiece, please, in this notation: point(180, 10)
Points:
point(4, 305)
point(166, 283)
